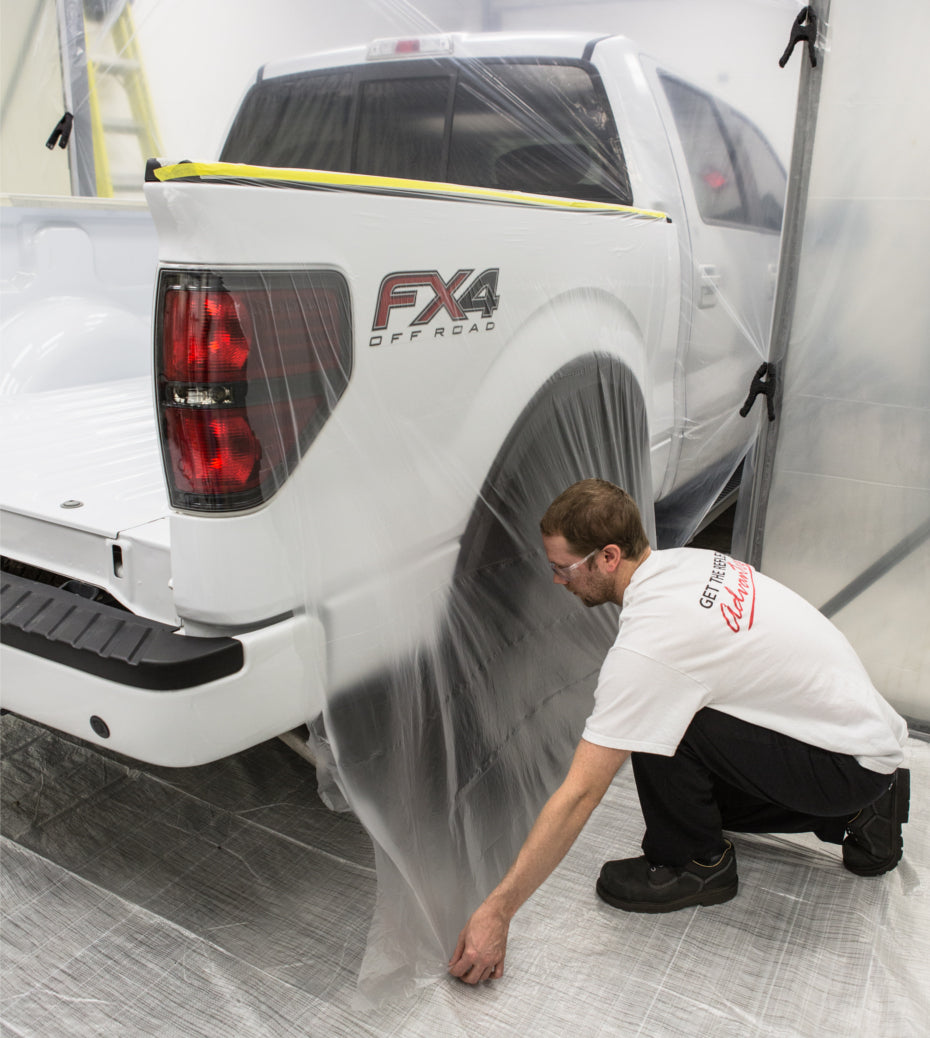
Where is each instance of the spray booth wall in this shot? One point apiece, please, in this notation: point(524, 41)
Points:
point(848, 517)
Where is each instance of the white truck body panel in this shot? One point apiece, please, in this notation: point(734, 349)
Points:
point(395, 384)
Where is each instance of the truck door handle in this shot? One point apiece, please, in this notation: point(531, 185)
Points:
point(710, 282)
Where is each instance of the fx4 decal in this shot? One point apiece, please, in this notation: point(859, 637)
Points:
point(401, 290)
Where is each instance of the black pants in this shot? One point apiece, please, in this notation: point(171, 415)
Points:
point(728, 774)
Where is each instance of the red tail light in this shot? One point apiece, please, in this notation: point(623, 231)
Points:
point(250, 367)
point(203, 336)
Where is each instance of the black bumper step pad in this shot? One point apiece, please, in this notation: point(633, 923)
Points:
point(109, 642)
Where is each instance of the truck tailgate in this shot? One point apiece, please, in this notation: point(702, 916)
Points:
point(80, 472)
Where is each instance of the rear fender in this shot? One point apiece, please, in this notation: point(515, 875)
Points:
point(576, 324)
point(587, 420)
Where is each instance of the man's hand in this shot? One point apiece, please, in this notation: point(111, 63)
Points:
point(479, 954)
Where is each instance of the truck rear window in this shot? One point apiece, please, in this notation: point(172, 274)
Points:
point(401, 127)
point(297, 122)
point(537, 126)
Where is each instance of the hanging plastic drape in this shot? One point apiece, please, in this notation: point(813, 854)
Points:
point(841, 506)
point(488, 271)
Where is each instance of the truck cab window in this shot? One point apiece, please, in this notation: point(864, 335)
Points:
point(765, 175)
point(540, 128)
point(718, 188)
point(401, 127)
point(296, 122)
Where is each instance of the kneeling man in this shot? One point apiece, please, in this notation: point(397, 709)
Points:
point(742, 708)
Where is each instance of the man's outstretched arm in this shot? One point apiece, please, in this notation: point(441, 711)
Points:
point(482, 944)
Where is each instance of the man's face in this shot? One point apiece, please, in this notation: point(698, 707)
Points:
point(587, 581)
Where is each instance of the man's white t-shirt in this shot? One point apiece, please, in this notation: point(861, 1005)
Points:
point(699, 629)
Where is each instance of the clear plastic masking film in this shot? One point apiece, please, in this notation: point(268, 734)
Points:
point(406, 294)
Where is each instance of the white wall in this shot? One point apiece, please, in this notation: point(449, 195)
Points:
point(201, 54)
point(31, 99)
point(730, 47)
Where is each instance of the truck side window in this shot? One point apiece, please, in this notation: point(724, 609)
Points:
point(401, 127)
point(539, 128)
point(766, 179)
point(718, 189)
point(297, 122)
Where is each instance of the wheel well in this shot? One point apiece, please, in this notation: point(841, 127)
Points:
point(587, 419)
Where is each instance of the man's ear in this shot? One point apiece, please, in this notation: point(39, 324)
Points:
point(613, 556)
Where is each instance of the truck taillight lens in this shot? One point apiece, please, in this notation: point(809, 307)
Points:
point(250, 366)
point(204, 339)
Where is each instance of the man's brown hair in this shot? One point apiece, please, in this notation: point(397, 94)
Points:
point(595, 513)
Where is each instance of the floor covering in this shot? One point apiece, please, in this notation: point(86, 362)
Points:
point(227, 900)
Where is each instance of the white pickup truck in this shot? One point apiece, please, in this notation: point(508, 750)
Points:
point(429, 283)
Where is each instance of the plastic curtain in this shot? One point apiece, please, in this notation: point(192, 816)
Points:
point(847, 479)
point(402, 508)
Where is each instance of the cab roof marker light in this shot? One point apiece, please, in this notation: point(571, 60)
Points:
point(408, 46)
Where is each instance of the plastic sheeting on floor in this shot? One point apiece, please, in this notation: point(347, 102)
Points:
point(227, 900)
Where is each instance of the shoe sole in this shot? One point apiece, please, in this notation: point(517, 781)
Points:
point(902, 803)
point(705, 898)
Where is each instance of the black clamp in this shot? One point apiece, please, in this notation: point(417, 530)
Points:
point(804, 30)
point(763, 383)
point(62, 132)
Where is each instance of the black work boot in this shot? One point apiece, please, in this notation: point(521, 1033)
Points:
point(874, 844)
point(636, 886)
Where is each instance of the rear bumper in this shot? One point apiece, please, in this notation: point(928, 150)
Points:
point(141, 689)
point(109, 642)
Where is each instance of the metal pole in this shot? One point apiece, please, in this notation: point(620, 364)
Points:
point(749, 522)
point(76, 89)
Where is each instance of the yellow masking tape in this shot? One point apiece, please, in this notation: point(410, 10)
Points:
point(361, 181)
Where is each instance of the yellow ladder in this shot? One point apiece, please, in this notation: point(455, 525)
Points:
point(122, 116)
